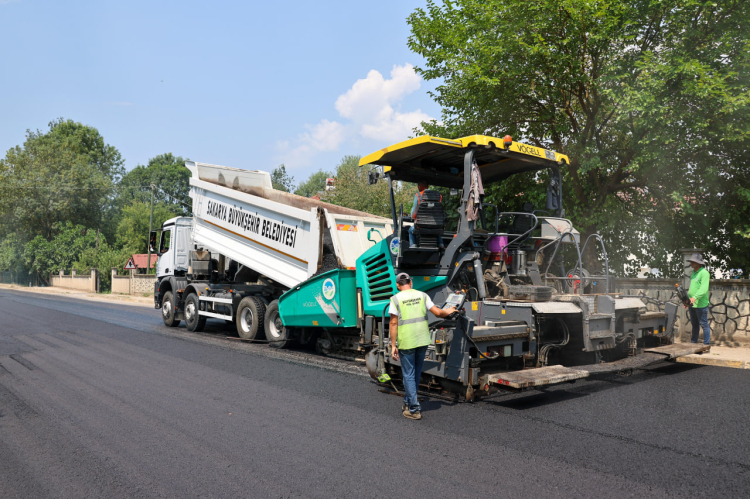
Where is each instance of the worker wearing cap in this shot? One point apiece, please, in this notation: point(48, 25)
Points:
point(698, 294)
point(410, 335)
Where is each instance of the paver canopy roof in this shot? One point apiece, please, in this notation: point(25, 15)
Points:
point(439, 161)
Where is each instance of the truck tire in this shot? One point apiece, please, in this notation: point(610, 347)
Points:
point(193, 321)
point(167, 310)
point(249, 318)
point(276, 334)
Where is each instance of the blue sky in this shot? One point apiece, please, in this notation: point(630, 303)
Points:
point(242, 84)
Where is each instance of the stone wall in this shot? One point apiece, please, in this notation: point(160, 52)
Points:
point(729, 308)
point(86, 282)
point(143, 283)
point(132, 284)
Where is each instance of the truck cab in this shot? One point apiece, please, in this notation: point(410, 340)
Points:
point(171, 244)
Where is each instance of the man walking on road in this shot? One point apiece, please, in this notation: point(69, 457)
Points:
point(698, 294)
point(410, 336)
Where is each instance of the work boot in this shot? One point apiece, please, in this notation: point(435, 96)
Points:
point(412, 415)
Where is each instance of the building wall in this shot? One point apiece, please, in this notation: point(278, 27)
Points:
point(88, 282)
point(729, 307)
point(120, 283)
point(132, 283)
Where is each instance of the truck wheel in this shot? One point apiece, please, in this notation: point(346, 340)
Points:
point(276, 334)
point(167, 310)
point(193, 321)
point(249, 318)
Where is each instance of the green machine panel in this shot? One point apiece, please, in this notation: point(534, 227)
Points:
point(326, 300)
point(377, 278)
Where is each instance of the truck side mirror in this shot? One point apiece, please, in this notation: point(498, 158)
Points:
point(372, 178)
point(152, 242)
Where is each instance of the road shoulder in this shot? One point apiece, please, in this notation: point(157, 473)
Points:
point(140, 301)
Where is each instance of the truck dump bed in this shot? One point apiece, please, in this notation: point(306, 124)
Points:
point(238, 214)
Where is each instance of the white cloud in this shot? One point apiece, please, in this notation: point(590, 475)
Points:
point(368, 97)
point(326, 135)
point(370, 104)
point(394, 126)
point(323, 137)
point(371, 107)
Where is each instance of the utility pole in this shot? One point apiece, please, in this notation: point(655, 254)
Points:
point(150, 223)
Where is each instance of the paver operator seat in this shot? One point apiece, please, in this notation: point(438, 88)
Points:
point(429, 220)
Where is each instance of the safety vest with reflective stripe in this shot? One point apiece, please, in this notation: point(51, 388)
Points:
point(413, 328)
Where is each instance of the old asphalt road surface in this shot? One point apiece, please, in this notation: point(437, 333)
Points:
point(100, 400)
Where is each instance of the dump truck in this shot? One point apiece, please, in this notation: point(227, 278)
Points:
point(246, 245)
point(293, 269)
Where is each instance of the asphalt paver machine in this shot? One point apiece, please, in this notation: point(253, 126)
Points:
point(526, 320)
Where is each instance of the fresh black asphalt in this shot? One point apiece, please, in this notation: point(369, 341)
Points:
point(102, 400)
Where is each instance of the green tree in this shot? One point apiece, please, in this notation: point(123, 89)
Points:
point(62, 251)
point(132, 229)
point(281, 180)
point(74, 247)
point(352, 190)
point(315, 184)
point(171, 180)
point(648, 99)
point(11, 254)
point(104, 258)
point(65, 174)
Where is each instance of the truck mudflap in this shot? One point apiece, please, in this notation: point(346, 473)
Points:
point(551, 375)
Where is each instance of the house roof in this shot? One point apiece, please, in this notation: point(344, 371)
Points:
point(141, 260)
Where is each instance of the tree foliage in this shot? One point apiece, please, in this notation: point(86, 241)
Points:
point(281, 180)
point(648, 99)
point(315, 184)
point(62, 185)
point(352, 190)
point(66, 174)
point(171, 182)
point(11, 253)
point(132, 230)
point(104, 258)
point(59, 253)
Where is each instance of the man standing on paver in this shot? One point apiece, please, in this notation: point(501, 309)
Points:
point(410, 336)
point(698, 294)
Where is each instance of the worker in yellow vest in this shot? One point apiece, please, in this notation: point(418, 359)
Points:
point(410, 336)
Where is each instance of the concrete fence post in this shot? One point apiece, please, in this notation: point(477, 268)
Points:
point(94, 285)
point(73, 273)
